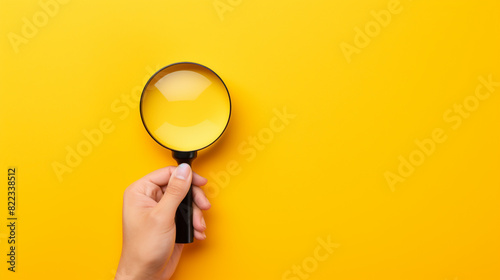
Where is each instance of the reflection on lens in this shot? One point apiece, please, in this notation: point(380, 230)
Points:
point(185, 107)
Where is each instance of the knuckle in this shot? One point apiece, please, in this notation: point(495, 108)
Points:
point(175, 189)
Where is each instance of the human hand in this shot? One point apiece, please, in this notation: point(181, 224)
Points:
point(149, 205)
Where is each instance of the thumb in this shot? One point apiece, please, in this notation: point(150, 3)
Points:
point(177, 188)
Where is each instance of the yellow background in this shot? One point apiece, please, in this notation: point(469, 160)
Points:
point(321, 176)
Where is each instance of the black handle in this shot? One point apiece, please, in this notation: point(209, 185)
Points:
point(184, 214)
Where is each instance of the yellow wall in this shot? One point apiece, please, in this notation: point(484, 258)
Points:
point(359, 94)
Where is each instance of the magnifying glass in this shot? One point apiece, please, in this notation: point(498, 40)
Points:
point(185, 107)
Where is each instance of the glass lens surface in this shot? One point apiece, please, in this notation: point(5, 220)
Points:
point(185, 107)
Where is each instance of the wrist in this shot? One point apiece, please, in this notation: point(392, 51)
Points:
point(122, 274)
point(128, 271)
point(133, 269)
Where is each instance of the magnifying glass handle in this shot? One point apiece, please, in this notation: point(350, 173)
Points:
point(184, 214)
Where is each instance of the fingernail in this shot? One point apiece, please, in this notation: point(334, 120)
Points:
point(203, 222)
point(182, 171)
point(204, 235)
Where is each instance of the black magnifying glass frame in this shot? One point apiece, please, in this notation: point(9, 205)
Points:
point(184, 213)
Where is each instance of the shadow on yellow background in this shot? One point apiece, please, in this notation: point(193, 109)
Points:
point(363, 142)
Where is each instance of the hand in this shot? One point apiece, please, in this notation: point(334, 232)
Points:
point(149, 205)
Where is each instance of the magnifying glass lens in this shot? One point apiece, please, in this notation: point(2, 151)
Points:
point(185, 107)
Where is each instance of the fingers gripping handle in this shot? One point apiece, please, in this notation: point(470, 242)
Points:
point(184, 214)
